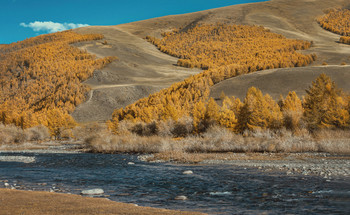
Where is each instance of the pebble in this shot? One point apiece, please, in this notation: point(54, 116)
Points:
point(131, 163)
point(187, 172)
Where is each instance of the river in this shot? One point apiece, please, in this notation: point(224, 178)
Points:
point(214, 189)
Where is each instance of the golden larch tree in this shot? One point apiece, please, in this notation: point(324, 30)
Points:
point(324, 105)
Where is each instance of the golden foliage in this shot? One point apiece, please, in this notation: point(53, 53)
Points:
point(325, 105)
point(337, 21)
point(214, 46)
point(58, 120)
point(345, 39)
point(292, 110)
point(226, 51)
point(259, 112)
point(44, 73)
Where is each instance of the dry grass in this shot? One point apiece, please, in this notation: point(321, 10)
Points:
point(11, 134)
point(217, 140)
point(33, 203)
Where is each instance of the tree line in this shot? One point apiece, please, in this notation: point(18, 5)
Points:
point(324, 106)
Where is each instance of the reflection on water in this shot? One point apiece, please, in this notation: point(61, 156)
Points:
point(216, 189)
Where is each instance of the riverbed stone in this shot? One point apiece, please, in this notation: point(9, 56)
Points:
point(96, 191)
point(181, 198)
point(187, 172)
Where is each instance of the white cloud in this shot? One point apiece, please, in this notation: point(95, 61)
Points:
point(51, 27)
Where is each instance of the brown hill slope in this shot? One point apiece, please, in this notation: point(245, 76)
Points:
point(142, 69)
point(278, 82)
point(139, 71)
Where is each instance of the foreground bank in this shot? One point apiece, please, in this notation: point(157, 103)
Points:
point(28, 202)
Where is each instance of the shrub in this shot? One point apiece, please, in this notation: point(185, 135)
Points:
point(183, 127)
point(11, 134)
point(37, 133)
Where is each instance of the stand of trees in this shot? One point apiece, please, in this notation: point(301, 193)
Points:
point(223, 51)
point(41, 79)
point(324, 107)
point(214, 46)
point(337, 21)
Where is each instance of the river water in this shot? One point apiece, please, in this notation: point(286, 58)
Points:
point(214, 189)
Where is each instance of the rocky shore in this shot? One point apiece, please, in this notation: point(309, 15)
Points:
point(63, 147)
point(324, 165)
point(326, 168)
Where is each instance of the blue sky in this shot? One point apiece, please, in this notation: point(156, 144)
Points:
point(19, 18)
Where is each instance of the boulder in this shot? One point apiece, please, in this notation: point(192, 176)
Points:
point(92, 192)
point(187, 172)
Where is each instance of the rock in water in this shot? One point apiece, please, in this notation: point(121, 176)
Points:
point(180, 198)
point(92, 192)
point(187, 172)
point(131, 163)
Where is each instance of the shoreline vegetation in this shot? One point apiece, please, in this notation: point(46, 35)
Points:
point(318, 123)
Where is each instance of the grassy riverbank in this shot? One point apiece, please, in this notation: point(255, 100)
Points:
point(30, 202)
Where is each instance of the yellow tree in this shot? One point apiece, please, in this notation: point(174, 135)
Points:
point(292, 110)
point(228, 119)
point(198, 115)
point(324, 106)
point(337, 116)
point(58, 121)
point(258, 112)
point(227, 116)
point(170, 112)
point(274, 115)
point(212, 112)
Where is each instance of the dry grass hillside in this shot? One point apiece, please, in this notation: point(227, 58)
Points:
point(142, 69)
point(278, 82)
point(139, 71)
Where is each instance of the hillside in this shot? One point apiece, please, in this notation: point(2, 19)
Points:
point(142, 69)
point(278, 82)
point(139, 71)
point(40, 79)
